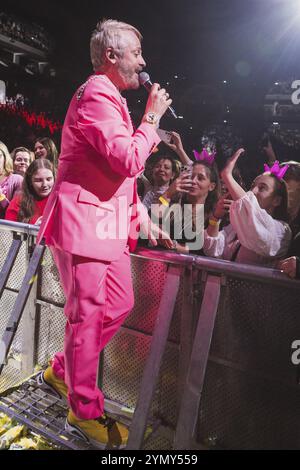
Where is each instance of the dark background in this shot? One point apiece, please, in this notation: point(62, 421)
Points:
point(190, 47)
point(203, 40)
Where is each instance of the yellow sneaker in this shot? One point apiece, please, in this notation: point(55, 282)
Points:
point(103, 432)
point(48, 381)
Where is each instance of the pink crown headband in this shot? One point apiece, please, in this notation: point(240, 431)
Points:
point(205, 156)
point(276, 170)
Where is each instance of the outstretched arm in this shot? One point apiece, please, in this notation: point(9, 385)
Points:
point(176, 145)
point(235, 190)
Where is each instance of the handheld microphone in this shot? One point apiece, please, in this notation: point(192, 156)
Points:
point(144, 79)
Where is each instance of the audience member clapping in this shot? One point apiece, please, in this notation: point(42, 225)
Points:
point(224, 203)
point(258, 232)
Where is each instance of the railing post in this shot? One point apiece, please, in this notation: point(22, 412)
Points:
point(20, 302)
point(29, 320)
point(188, 415)
point(187, 330)
point(152, 367)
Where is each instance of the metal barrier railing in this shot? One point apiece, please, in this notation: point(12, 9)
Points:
point(218, 266)
point(18, 227)
point(197, 322)
point(33, 258)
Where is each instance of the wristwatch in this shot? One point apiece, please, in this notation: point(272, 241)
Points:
point(151, 118)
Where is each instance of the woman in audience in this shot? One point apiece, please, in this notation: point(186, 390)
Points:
point(29, 205)
point(45, 148)
point(165, 170)
point(291, 265)
point(292, 179)
point(10, 183)
point(21, 158)
point(258, 232)
point(199, 192)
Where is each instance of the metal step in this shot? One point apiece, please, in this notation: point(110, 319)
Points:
point(45, 414)
point(42, 413)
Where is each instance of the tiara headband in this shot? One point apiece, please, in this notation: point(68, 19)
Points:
point(205, 156)
point(276, 170)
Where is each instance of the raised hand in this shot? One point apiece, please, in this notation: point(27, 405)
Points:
point(182, 184)
point(230, 164)
point(176, 142)
point(177, 147)
point(235, 190)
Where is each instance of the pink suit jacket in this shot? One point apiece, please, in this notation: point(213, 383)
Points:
point(91, 210)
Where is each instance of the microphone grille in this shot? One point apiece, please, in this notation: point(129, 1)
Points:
point(144, 77)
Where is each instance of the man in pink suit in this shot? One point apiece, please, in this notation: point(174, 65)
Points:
point(90, 221)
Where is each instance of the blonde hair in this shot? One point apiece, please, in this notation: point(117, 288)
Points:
point(8, 163)
point(108, 33)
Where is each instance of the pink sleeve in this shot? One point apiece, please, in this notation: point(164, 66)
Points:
point(15, 185)
point(102, 121)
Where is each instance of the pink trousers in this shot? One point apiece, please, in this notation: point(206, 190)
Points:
point(99, 296)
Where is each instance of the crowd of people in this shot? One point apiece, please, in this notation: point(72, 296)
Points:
point(288, 137)
point(257, 225)
point(39, 120)
point(254, 225)
point(190, 202)
point(31, 34)
point(26, 180)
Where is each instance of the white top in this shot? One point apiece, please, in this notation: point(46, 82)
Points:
point(263, 239)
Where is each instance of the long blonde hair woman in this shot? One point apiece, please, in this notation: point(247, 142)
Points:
point(10, 183)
